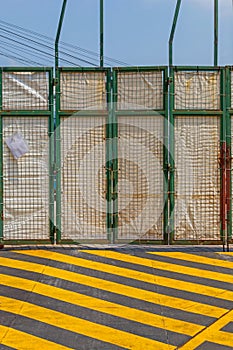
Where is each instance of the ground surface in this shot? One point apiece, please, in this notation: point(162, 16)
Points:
point(116, 298)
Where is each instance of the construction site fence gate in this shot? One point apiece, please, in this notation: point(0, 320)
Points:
point(116, 155)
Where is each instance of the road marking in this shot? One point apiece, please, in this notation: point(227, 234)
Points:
point(190, 271)
point(196, 258)
point(153, 297)
point(20, 340)
point(96, 304)
point(80, 326)
point(213, 334)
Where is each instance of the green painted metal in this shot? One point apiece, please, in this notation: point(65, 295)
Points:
point(1, 165)
point(109, 157)
point(29, 113)
point(171, 38)
point(224, 130)
point(59, 33)
point(51, 158)
point(229, 157)
point(171, 166)
point(101, 33)
point(114, 161)
point(57, 164)
point(215, 32)
point(223, 229)
point(166, 159)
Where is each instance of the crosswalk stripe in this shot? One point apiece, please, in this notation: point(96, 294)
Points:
point(165, 300)
point(20, 340)
point(80, 326)
point(117, 288)
point(195, 258)
point(110, 308)
point(191, 271)
point(212, 334)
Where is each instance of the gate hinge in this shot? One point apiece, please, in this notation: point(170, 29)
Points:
point(55, 81)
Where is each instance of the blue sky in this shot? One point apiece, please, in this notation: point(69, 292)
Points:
point(135, 31)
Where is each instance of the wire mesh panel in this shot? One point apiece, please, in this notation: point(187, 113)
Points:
point(83, 181)
point(140, 177)
point(26, 180)
point(83, 206)
point(25, 90)
point(140, 90)
point(140, 153)
point(197, 208)
point(82, 90)
point(197, 90)
point(26, 162)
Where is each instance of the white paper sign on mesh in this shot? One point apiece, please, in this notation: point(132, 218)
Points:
point(17, 145)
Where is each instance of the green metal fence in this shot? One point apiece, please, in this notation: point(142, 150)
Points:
point(139, 156)
point(26, 176)
point(198, 176)
point(82, 148)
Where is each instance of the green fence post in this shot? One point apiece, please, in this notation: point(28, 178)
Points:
point(215, 32)
point(171, 157)
point(109, 157)
point(51, 158)
point(228, 158)
point(173, 32)
point(57, 128)
point(1, 166)
point(101, 33)
point(114, 160)
point(166, 159)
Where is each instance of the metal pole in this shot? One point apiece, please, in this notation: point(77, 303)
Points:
point(101, 33)
point(59, 32)
point(215, 32)
point(57, 130)
point(173, 32)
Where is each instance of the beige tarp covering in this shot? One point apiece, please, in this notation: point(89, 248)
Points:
point(197, 183)
point(26, 180)
point(25, 90)
point(83, 177)
point(82, 90)
point(140, 177)
point(140, 90)
point(197, 90)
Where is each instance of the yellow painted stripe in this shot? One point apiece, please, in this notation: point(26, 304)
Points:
point(132, 292)
point(226, 253)
point(21, 341)
point(196, 258)
point(190, 271)
point(163, 281)
point(101, 305)
point(80, 326)
point(212, 334)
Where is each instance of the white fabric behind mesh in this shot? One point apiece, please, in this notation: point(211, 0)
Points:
point(197, 187)
point(83, 178)
point(82, 90)
point(197, 90)
point(26, 181)
point(140, 90)
point(140, 177)
point(25, 90)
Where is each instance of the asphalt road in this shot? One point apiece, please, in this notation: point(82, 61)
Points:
point(116, 298)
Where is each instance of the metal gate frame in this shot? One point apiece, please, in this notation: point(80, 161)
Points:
point(111, 149)
point(131, 113)
point(30, 113)
point(224, 151)
point(76, 114)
